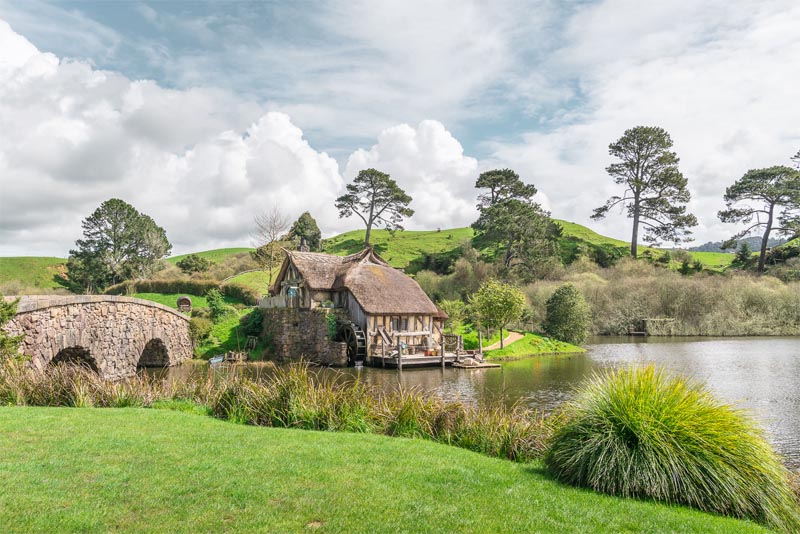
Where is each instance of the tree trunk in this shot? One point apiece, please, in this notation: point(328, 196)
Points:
point(635, 235)
point(501, 337)
point(764, 240)
point(366, 237)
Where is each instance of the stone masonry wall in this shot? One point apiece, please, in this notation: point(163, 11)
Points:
point(303, 334)
point(114, 331)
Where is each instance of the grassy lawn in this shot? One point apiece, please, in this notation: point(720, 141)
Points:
point(215, 255)
point(470, 336)
point(140, 470)
point(530, 345)
point(32, 271)
point(402, 249)
point(258, 280)
point(714, 261)
point(171, 299)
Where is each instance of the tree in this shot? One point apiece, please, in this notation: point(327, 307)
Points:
point(796, 159)
point(9, 345)
point(759, 194)
point(568, 316)
point(744, 256)
point(655, 190)
point(194, 264)
point(510, 220)
point(377, 200)
point(270, 226)
point(305, 227)
point(456, 311)
point(119, 244)
point(497, 305)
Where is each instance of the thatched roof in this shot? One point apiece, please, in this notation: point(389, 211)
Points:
point(379, 288)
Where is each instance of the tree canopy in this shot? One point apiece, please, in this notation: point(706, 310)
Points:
point(655, 192)
point(377, 200)
point(512, 222)
point(119, 243)
point(497, 305)
point(305, 228)
point(568, 315)
point(194, 264)
point(766, 199)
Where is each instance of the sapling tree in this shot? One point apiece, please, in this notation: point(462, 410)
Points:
point(270, 226)
point(497, 305)
point(767, 200)
point(9, 345)
point(656, 193)
point(377, 200)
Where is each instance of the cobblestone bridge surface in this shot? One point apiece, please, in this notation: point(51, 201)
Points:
point(113, 335)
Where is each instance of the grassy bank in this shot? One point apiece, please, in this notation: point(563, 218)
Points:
point(531, 345)
point(30, 272)
point(140, 470)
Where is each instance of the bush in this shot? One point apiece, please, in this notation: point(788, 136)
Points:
point(216, 304)
point(240, 292)
point(193, 264)
point(568, 316)
point(640, 433)
point(199, 329)
point(253, 323)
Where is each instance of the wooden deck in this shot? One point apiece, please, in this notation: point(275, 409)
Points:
point(420, 360)
point(411, 360)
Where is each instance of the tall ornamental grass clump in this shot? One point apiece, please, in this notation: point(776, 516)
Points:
point(643, 433)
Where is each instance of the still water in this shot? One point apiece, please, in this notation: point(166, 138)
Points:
point(761, 375)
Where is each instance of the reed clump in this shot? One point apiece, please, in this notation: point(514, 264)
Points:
point(645, 434)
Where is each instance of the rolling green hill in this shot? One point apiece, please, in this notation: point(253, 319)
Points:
point(31, 271)
point(410, 250)
point(215, 255)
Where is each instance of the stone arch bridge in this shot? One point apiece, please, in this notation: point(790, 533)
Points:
point(113, 335)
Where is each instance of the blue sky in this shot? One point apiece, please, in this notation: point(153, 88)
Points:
point(234, 106)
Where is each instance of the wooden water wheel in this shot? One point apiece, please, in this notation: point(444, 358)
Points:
point(356, 340)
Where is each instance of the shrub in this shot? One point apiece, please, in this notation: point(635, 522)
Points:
point(641, 433)
point(253, 323)
point(240, 292)
point(193, 264)
point(216, 304)
point(185, 286)
point(199, 329)
point(568, 316)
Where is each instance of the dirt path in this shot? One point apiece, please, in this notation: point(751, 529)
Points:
point(512, 337)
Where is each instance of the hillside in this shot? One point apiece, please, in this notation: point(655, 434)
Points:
point(31, 272)
point(409, 250)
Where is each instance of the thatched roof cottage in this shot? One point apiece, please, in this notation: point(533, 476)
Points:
point(382, 301)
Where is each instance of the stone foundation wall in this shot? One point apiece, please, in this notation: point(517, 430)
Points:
point(303, 334)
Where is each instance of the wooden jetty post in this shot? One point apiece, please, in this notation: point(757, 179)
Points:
point(480, 342)
point(442, 351)
point(399, 355)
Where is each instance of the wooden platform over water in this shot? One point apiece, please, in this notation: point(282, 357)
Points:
point(420, 360)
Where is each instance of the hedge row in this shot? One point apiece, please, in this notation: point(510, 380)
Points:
point(190, 287)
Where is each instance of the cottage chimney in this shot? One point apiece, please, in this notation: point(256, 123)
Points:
point(303, 245)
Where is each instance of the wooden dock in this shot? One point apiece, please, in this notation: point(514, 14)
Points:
point(462, 361)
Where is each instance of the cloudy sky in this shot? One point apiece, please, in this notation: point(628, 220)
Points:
point(203, 114)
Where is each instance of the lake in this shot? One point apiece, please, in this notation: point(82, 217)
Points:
point(761, 375)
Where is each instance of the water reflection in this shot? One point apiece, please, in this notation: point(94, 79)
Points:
point(759, 374)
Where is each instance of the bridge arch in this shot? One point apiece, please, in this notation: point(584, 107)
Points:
point(154, 354)
point(118, 333)
point(75, 355)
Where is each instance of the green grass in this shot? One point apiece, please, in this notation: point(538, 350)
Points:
point(714, 261)
point(583, 233)
point(402, 249)
point(469, 336)
point(258, 280)
point(140, 470)
point(171, 299)
point(642, 433)
point(215, 255)
point(531, 345)
point(32, 271)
